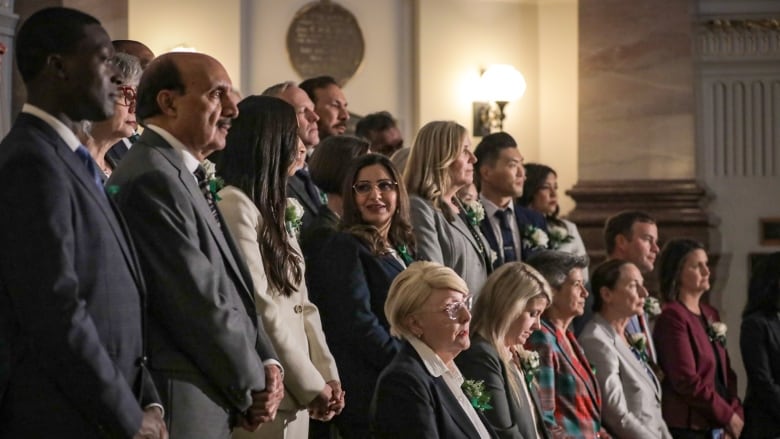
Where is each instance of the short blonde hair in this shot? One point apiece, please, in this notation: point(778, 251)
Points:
point(504, 297)
point(436, 147)
point(412, 288)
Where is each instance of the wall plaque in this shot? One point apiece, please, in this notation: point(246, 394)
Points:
point(324, 38)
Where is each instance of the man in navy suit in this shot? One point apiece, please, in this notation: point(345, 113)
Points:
point(500, 176)
point(71, 292)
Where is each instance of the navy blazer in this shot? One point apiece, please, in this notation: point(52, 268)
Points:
point(349, 285)
point(759, 339)
point(524, 217)
point(71, 297)
point(409, 403)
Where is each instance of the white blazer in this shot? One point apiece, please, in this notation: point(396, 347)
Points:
point(631, 397)
point(292, 323)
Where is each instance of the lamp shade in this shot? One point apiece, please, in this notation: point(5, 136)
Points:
point(502, 82)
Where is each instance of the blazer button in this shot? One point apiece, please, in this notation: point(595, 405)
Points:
point(298, 309)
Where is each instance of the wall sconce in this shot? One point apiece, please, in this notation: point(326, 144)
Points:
point(499, 85)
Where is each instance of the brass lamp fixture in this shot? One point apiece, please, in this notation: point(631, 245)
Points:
point(499, 85)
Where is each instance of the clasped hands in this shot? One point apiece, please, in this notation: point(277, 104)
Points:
point(265, 402)
point(152, 425)
point(329, 402)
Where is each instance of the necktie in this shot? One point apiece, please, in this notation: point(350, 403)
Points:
point(311, 189)
point(508, 242)
point(203, 184)
point(92, 168)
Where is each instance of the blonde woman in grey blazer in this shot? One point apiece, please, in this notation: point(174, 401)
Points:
point(631, 390)
point(441, 162)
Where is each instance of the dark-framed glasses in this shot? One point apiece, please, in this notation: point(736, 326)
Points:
point(126, 96)
point(384, 186)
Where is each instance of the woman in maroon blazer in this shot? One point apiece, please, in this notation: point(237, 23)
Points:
point(700, 388)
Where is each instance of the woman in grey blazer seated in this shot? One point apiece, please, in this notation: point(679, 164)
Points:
point(441, 162)
point(631, 392)
point(419, 393)
point(507, 311)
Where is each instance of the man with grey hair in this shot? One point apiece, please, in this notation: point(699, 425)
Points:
point(300, 186)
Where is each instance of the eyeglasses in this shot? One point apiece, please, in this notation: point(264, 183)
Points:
point(384, 186)
point(453, 309)
point(127, 97)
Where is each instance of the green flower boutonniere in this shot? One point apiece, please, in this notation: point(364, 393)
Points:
point(638, 341)
point(293, 215)
point(474, 211)
point(215, 183)
point(475, 391)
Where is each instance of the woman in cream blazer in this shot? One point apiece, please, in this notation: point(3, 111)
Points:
point(262, 152)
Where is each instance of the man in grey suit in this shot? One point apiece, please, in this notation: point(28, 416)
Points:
point(71, 293)
point(210, 357)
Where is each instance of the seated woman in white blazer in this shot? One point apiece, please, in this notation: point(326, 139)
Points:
point(631, 392)
point(261, 154)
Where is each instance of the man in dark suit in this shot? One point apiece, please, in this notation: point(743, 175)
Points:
point(210, 356)
point(71, 292)
point(500, 176)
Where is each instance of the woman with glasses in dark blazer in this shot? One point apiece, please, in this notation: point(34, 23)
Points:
point(350, 277)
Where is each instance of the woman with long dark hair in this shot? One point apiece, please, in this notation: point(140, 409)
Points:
point(260, 155)
point(760, 343)
point(350, 278)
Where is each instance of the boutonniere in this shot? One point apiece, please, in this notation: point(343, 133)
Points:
point(293, 214)
point(403, 252)
point(215, 183)
point(638, 341)
point(535, 238)
point(558, 236)
point(717, 332)
point(474, 211)
point(529, 361)
point(475, 391)
point(652, 306)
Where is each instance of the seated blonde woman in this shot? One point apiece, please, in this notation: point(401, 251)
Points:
point(419, 395)
point(631, 407)
point(508, 310)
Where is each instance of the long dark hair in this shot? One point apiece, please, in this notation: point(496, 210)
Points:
point(261, 146)
point(400, 232)
point(764, 289)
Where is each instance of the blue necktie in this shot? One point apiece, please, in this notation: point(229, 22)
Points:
point(504, 216)
point(92, 168)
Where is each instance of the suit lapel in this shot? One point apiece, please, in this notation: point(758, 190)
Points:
point(490, 237)
point(80, 173)
point(628, 356)
point(453, 408)
point(299, 188)
point(589, 379)
point(220, 234)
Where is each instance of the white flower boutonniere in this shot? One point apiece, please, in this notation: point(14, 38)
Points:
point(474, 211)
point(215, 183)
point(529, 361)
point(558, 236)
point(535, 238)
point(717, 332)
point(293, 215)
point(652, 306)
